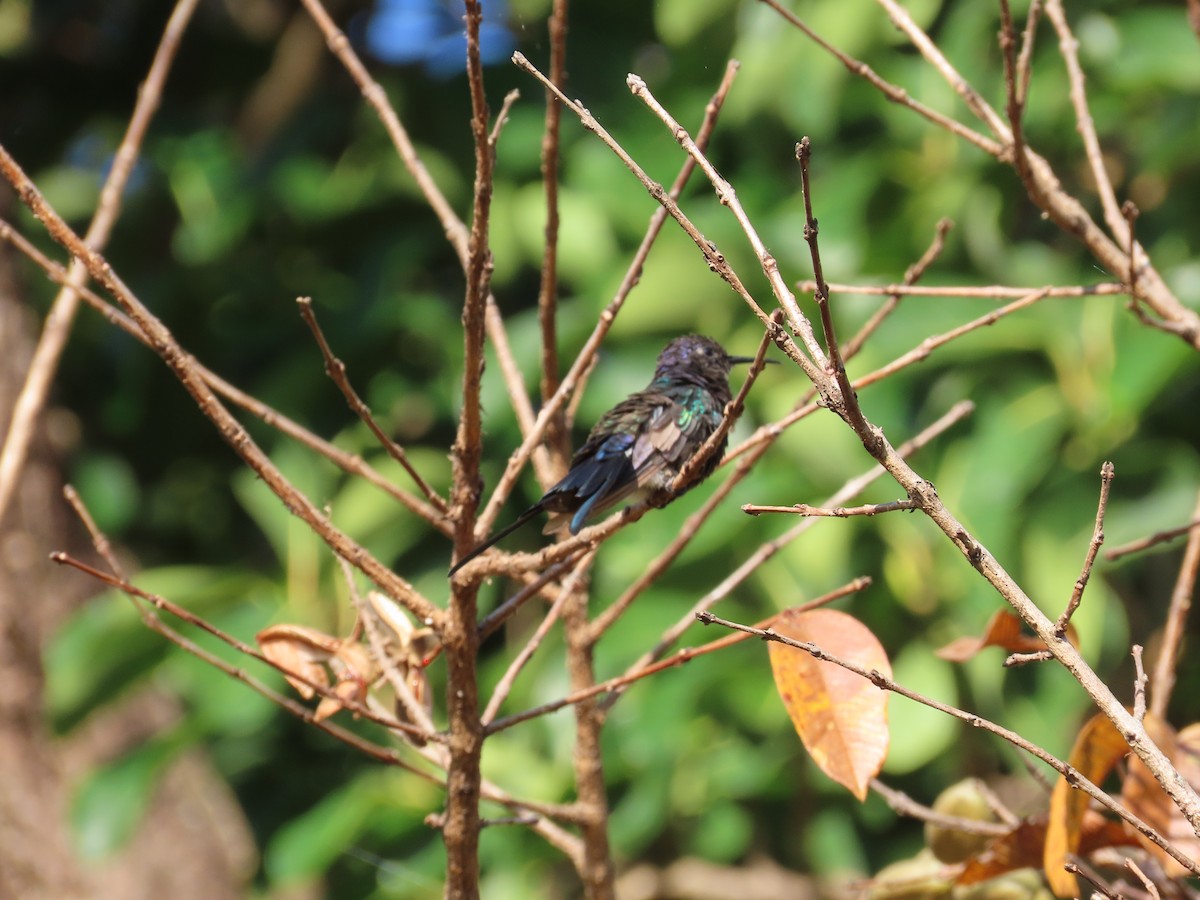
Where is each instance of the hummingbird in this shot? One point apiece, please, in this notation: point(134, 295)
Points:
point(638, 447)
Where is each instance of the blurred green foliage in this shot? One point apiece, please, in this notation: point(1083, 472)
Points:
point(230, 217)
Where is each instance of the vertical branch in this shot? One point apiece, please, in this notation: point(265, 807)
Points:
point(1013, 91)
point(461, 638)
point(44, 364)
point(1107, 472)
point(1181, 603)
point(557, 436)
point(836, 365)
point(597, 872)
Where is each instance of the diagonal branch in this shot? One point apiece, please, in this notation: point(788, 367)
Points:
point(32, 397)
point(184, 368)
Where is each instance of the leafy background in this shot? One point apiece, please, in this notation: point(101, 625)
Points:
point(249, 195)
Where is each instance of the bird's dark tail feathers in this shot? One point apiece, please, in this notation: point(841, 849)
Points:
point(496, 538)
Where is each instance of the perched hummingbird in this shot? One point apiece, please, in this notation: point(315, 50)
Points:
point(640, 445)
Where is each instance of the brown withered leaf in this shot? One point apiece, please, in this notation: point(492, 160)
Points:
point(1098, 748)
point(409, 650)
point(1144, 796)
point(1024, 846)
point(303, 651)
point(1003, 630)
point(314, 656)
point(405, 640)
point(841, 717)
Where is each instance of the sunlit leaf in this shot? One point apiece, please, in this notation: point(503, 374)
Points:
point(841, 717)
point(1003, 630)
point(1024, 846)
point(1098, 748)
point(300, 650)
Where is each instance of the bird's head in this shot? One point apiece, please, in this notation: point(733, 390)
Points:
point(699, 356)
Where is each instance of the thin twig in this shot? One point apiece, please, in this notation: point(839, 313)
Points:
point(1100, 888)
point(497, 617)
point(502, 117)
point(839, 512)
point(1151, 888)
point(1139, 684)
point(934, 56)
point(929, 344)
point(913, 274)
point(836, 366)
point(905, 805)
point(1176, 625)
point(1025, 59)
point(99, 539)
point(986, 292)
point(592, 691)
point(558, 437)
point(1014, 102)
point(1107, 472)
point(1159, 537)
point(1068, 47)
point(1073, 776)
point(336, 370)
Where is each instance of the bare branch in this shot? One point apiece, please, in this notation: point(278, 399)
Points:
point(336, 370)
point(1159, 537)
point(988, 292)
point(839, 512)
point(558, 437)
point(1181, 604)
point(1107, 472)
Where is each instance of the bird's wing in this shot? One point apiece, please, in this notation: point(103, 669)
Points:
point(629, 449)
point(677, 427)
point(597, 479)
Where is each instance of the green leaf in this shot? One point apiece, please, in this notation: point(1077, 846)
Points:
point(107, 807)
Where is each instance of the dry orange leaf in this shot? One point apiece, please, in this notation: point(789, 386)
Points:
point(1004, 631)
point(312, 656)
point(1023, 847)
point(1144, 796)
point(304, 651)
point(1097, 749)
point(841, 717)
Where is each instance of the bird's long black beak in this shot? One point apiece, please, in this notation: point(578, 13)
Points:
point(735, 360)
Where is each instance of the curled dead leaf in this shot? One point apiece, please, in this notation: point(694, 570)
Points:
point(299, 651)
